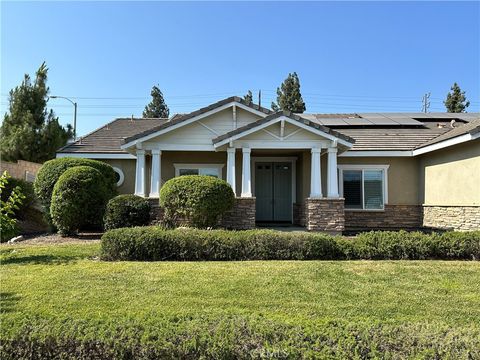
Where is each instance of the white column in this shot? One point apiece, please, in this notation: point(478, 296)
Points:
point(246, 178)
point(156, 177)
point(140, 174)
point(231, 168)
point(316, 176)
point(332, 181)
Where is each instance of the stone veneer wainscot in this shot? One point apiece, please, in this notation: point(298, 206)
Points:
point(461, 218)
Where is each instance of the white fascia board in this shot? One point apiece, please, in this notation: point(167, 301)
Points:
point(191, 120)
point(379, 153)
point(276, 145)
point(290, 121)
point(96, 155)
point(446, 143)
point(178, 147)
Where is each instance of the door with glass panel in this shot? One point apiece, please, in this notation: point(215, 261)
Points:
point(273, 191)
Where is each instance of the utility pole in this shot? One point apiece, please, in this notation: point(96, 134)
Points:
point(426, 103)
point(259, 98)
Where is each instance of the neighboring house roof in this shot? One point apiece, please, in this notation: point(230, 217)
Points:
point(471, 128)
point(177, 119)
point(109, 137)
point(288, 114)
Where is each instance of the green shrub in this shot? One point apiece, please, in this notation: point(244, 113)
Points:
point(12, 202)
point(126, 211)
point(51, 171)
point(154, 244)
point(240, 337)
point(27, 190)
point(78, 200)
point(197, 199)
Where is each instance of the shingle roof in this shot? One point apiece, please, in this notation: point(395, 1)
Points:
point(276, 115)
point(109, 138)
point(178, 119)
point(472, 127)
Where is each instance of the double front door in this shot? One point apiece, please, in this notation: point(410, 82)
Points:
point(273, 191)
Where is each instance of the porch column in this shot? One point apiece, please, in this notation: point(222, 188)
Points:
point(316, 176)
point(332, 182)
point(140, 174)
point(231, 168)
point(246, 179)
point(156, 177)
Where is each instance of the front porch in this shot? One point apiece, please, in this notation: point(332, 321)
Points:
point(273, 187)
point(281, 167)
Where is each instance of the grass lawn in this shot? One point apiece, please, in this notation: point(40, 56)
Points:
point(229, 309)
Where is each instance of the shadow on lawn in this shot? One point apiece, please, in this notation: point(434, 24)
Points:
point(39, 259)
point(7, 301)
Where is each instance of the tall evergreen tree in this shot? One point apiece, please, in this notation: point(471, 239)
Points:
point(456, 101)
point(29, 131)
point(248, 97)
point(289, 96)
point(157, 108)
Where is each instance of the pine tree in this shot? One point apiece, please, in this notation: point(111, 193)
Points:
point(29, 131)
point(289, 96)
point(248, 97)
point(157, 108)
point(456, 101)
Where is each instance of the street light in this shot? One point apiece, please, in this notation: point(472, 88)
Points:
point(74, 114)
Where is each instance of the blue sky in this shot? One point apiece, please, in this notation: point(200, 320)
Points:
point(351, 57)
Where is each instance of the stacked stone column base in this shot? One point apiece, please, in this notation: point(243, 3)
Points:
point(325, 215)
point(241, 216)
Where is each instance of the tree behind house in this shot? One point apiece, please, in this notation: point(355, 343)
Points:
point(248, 97)
point(289, 96)
point(29, 131)
point(456, 101)
point(157, 108)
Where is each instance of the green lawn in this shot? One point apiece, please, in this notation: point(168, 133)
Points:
point(64, 290)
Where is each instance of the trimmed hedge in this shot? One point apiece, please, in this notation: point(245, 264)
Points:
point(51, 171)
point(78, 200)
point(154, 244)
point(240, 337)
point(126, 211)
point(199, 200)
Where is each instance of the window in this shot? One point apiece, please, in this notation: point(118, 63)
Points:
point(119, 176)
point(214, 170)
point(364, 186)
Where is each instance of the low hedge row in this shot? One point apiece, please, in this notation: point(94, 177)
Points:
point(156, 244)
point(242, 337)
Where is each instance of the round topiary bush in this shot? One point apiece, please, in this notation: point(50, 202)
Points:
point(27, 190)
point(79, 199)
point(51, 171)
point(126, 211)
point(200, 200)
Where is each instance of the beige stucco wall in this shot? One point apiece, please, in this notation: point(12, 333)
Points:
point(451, 176)
point(128, 168)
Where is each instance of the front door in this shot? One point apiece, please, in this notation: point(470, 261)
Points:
point(273, 191)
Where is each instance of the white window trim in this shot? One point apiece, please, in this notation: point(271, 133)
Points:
point(120, 174)
point(383, 168)
point(219, 167)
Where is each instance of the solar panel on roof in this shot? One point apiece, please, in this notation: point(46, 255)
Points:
point(332, 122)
point(358, 121)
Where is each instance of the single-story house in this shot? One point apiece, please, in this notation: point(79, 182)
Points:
point(327, 172)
